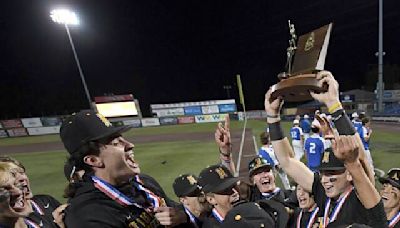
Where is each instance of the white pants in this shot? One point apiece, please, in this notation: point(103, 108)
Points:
point(298, 149)
point(369, 158)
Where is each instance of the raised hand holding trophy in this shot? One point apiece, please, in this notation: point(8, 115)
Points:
point(309, 58)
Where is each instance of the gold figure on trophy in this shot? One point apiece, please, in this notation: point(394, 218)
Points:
point(308, 58)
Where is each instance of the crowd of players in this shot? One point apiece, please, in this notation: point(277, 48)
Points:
point(335, 188)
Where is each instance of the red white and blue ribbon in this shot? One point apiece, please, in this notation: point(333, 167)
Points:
point(154, 199)
point(394, 220)
point(217, 215)
point(311, 220)
point(267, 195)
point(31, 224)
point(328, 219)
point(192, 218)
point(37, 208)
point(113, 193)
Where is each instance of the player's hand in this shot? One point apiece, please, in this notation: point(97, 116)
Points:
point(223, 136)
point(169, 216)
point(273, 107)
point(326, 127)
point(346, 148)
point(331, 96)
point(58, 215)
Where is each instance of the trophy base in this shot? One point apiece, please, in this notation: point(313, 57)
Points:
point(296, 88)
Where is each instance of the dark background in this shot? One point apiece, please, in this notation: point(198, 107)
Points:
point(165, 51)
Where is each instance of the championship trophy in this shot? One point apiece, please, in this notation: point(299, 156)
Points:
point(309, 58)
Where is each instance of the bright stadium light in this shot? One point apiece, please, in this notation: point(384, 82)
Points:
point(66, 17)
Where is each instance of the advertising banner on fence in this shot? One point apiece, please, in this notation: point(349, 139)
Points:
point(50, 121)
point(3, 134)
point(43, 130)
point(31, 122)
point(227, 108)
point(210, 118)
point(133, 123)
point(168, 120)
point(193, 110)
point(210, 109)
point(169, 112)
point(11, 123)
point(148, 122)
point(185, 119)
point(15, 132)
point(1, 126)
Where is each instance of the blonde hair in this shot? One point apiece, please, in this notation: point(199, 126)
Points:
point(7, 172)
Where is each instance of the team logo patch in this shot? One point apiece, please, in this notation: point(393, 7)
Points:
point(191, 180)
point(310, 42)
point(325, 159)
point(395, 176)
point(104, 120)
point(221, 173)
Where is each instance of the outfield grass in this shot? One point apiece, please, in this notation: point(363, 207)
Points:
point(46, 168)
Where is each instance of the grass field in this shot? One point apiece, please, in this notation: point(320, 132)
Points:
point(45, 169)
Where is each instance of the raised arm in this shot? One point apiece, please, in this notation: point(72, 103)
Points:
point(283, 151)
point(339, 116)
point(223, 140)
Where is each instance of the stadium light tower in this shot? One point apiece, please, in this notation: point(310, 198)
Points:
point(67, 17)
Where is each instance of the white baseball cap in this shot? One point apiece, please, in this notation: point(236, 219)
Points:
point(315, 123)
point(354, 115)
point(306, 116)
point(296, 121)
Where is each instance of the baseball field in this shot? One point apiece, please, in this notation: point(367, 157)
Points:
point(167, 151)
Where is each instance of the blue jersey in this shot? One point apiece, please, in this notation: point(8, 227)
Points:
point(364, 134)
point(295, 133)
point(269, 155)
point(305, 125)
point(314, 148)
point(358, 126)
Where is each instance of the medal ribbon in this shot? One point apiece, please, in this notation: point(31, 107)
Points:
point(192, 218)
point(37, 208)
point(310, 220)
point(217, 216)
point(394, 220)
point(328, 219)
point(155, 200)
point(270, 195)
point(113, 193)
point(31, 224)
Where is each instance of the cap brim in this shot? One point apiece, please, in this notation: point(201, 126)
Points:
point(222, 186)
point(114, 131)
point(331, 168)
point(189, 191)
point(263, 166)
point(384, 180)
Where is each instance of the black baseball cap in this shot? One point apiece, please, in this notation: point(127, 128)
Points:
point(247, 215)
point(186, 185)
point(85, 126)
point(257, 163)
point(393, 178)
point(330, 162)
point(216, 178)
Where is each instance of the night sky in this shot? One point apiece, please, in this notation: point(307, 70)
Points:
point(165, 51)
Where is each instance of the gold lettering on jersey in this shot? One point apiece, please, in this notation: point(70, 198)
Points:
point(221, 173)
point(191, 180)
point(104, 120)
point(325, 159)
point(133, 224)
point(310, 42)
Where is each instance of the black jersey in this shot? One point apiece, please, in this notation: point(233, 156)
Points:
point(43, 207)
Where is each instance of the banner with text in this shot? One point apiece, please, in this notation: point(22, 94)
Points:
point(169, 112)
point(50, 121)
point(134, 123)
point(3, 134)
point(185, 119)
point(31, 122)
point(15, 132)
point(168, 120)
point(210, 109)
point(148, 122)
point(210, 118)
point(227, 108)
point(43, 130)
point(12, 123)
point(193, 110)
